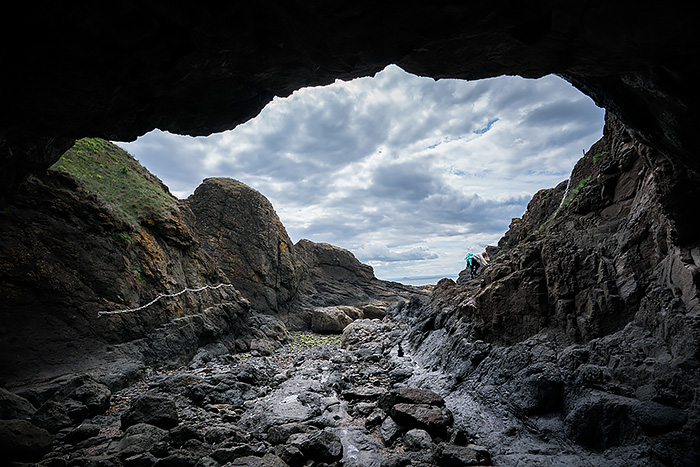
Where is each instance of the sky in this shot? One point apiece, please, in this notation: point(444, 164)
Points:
point(406, 172)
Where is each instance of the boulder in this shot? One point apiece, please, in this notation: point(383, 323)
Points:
point(52, 416)
point(13, 406)
point(139, 439)
point(329, 320)
point(417, 440)
point(435, 420)
point(321, 446)
point(153, 409)
point(409, 396)
point(458, 456)
point(22, 441)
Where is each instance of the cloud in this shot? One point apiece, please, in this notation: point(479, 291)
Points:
point(406, 172)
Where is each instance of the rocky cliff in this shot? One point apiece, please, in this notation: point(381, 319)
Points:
point(92, 241)
point(584, 326)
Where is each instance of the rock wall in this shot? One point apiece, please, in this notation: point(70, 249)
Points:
point(585, 324)
point(70, 254)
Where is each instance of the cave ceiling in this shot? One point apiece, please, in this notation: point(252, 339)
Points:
point(118, 70)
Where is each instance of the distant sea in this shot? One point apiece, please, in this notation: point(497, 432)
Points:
point(428, 280)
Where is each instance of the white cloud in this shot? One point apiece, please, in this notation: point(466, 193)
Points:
point(406, 172)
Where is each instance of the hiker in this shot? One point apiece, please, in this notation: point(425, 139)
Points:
point(473, 264)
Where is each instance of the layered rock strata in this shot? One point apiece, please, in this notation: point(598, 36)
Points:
point(585, 324)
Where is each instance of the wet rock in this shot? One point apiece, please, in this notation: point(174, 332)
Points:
point(153, 409)
point(435, 420)
point(359, 449)
point(139, 439)
point(322, 446)
point(458, 456)
point(410, 396)
point(20, 440)
point(13, 406)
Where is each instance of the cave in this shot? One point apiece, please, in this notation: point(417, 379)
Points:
point(582, 335)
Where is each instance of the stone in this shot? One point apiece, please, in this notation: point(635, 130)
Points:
point(364, 393)
point(13, 406)
point(322, 445)
point(329, 320)
point(390, 431)
point(457, 456)
point(279, 434)
point(435, 420)
point(153, 409)
point(82, 432)
point(52, 416)
point(139, 439)
point(409, 396)
point(417, 440)
point(22, 441)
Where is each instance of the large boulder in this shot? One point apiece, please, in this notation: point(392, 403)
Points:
point(239, 227)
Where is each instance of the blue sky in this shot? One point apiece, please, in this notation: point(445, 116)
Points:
point(408, 173)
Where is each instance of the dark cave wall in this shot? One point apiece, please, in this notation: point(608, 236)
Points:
point(120, 70)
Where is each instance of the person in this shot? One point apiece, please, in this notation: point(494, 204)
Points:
point(473, 264)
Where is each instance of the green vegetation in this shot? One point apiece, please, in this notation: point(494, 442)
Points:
point(598, 156)
point(306, 339)
point(122, 186)
point(569, 197)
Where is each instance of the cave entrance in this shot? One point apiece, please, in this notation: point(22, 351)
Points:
point(406, 172)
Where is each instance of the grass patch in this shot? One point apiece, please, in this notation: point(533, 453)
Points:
point(306, 339)
point(598, 155)
point(123, 187)
point(569, 197)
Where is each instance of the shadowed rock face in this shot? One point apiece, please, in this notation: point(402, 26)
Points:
point(121, 70)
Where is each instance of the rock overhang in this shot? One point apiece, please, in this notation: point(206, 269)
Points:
point(120, 71)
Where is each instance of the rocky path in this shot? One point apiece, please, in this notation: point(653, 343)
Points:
point(318, 401)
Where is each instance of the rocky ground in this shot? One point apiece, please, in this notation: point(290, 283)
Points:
point(320, 400)
point(363, 398)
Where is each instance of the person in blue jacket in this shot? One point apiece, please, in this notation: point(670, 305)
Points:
point(473, 264)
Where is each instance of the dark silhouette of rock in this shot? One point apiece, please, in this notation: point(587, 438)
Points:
point(22, 441)
point(13, 406)
point(153, 409)
point(141, 77)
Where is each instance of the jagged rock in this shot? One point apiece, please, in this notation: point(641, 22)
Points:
point(457, 456)
point(139, 439)
point(52, 416)
point(82, 432)
point(417, 440)
point(435, 420)
point(153, 409)
point(279, 434)
point(321, 445)
point(22, 441)
point(389, 399)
